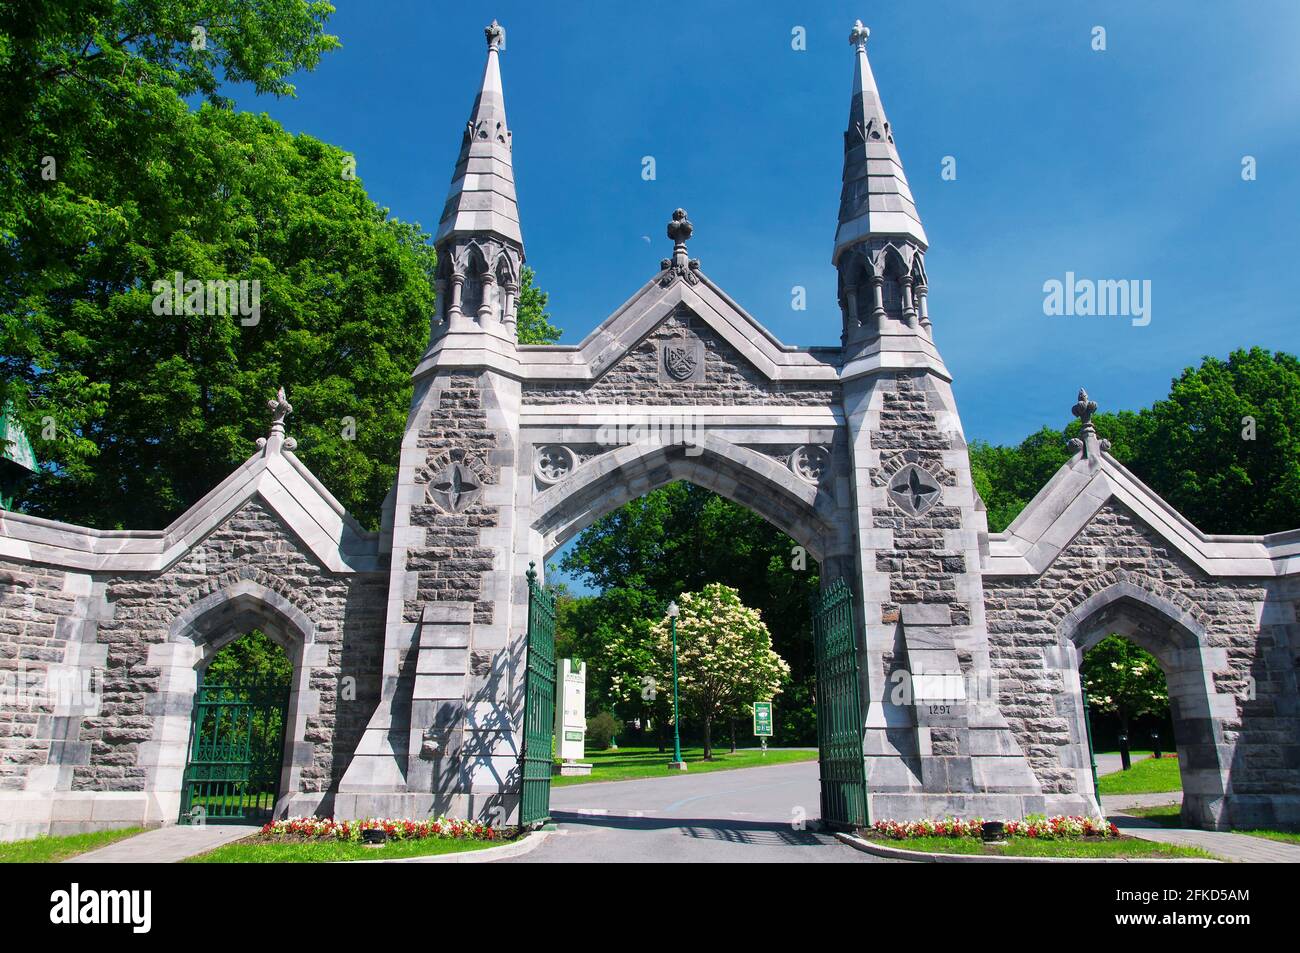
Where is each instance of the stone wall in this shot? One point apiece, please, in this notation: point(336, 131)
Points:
point(923, 566)
point(451, 564)
point(107, 710)
point(253, 545)
point(1252, 717)
point(41, 609)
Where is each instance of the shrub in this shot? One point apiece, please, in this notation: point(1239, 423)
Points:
point(601, 730)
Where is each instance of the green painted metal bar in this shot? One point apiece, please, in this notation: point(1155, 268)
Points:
point(236, 753)
point(839, 710)
point(537, 754)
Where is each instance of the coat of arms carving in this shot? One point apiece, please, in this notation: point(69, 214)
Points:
point(681, 359)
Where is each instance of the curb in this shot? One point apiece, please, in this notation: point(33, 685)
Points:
point(925, 857)
point(524, 845)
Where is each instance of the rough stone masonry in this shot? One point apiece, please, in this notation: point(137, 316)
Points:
point(408, 644)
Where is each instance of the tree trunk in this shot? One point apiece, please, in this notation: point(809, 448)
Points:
point(708, 737)
point(733, 734)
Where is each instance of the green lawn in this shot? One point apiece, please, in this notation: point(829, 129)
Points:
point(628, 764)
point(252, 850)
point(1287, 837)
point(1151, 776)
point(1166, 815)
point(1025, 847)
point(51, 850)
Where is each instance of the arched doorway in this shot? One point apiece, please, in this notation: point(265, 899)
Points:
point(802, 510)
point(1177, 640)
point(237, 704)
point(237, 733)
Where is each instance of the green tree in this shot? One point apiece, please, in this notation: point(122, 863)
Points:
point(251, 657)
point(679, 538)
point(532, 320)
point(1125, 680)
point(724, 657)
point(1223, 448)
point(152, 410)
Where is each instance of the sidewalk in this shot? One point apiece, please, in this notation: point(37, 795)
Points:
point(1241, 848)
point(166, 845)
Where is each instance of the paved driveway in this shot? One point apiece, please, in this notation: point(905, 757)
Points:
point(741, 816)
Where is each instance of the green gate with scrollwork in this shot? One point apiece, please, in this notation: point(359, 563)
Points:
point(839, 712)
point(236, 753)
point(537, 755)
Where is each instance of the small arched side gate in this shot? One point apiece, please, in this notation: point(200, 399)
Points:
point(839, 710)
point(235, 752)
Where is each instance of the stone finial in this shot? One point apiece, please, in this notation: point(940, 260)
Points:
point(858, 35)
point(495, 35)
point(280, 409)
point(679, 266)
point(680, 228)
point(1089, 445)
point(1084, 410)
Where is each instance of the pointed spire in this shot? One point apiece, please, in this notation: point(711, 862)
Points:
point(875, 200)
point(481, 200)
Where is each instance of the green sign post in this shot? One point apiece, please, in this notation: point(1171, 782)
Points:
point(763, 720)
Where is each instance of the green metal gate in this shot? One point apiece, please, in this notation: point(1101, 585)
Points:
point(236, 753)
point(537, 756)
point(839, 713)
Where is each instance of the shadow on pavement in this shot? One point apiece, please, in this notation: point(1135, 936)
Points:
point(761, 833)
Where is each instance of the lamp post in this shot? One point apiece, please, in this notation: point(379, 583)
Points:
point(678, 763)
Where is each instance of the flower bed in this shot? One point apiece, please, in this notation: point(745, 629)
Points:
point(326, 828)
point(1036, 826)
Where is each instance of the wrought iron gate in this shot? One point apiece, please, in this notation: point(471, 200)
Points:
point(537, 755)
point(839, 713)
point(236, 751)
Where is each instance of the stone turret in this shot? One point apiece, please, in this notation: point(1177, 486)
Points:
point(480, 247)
point(879, 242)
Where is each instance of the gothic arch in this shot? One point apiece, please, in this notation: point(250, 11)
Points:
point(195, 636)
point(237, 607)
point(798, 508)
point(1170, 628)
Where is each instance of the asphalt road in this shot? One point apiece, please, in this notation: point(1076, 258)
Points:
point(743, 816)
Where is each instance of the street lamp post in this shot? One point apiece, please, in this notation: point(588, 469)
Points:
point(678, 763)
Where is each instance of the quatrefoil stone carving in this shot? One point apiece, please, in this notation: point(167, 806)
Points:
point(455, 488)
point(914, 490)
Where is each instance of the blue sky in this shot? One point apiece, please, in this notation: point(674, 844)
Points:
point(1119, 164)
point(1122, 164)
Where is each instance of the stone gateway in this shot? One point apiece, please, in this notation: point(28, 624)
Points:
point(408, 644)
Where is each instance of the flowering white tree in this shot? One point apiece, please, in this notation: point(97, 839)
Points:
point(724, 656)
point(1124, 679)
